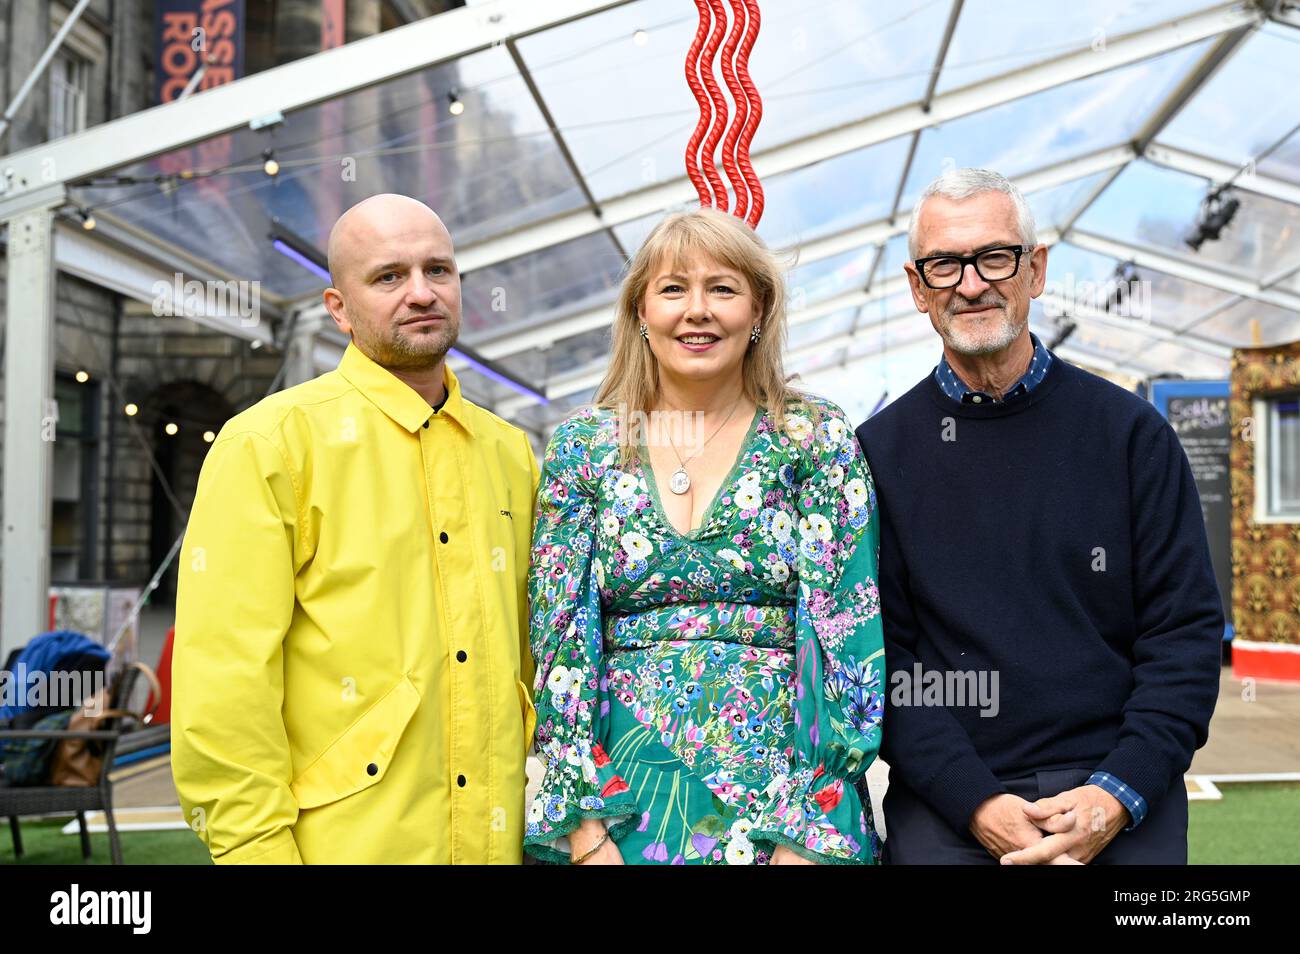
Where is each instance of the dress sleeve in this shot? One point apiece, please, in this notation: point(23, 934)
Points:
point(815, 809)
point(566, 637)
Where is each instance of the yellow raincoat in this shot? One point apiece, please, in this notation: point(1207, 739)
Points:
point(351, 669)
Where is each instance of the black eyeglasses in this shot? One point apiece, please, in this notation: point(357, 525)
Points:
point(991, 264)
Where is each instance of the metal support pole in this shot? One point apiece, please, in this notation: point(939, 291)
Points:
point(40, 66)
point(30, 417)
point(300, 354)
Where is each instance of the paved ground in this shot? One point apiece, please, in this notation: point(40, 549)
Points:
point(151, 789)
point(1256, 728)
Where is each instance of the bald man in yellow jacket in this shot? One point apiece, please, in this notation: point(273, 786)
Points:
point(351, 668)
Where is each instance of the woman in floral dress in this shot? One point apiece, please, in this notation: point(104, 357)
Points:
point(709, 664)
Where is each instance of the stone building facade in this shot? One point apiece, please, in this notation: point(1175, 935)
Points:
point(122, 484)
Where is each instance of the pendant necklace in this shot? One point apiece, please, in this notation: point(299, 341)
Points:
point(680, 481)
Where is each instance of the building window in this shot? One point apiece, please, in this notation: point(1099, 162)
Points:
point(69, 75)
point(1277, 463)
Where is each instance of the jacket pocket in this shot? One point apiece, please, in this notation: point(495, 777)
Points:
point(360, 756)
point(528, 712)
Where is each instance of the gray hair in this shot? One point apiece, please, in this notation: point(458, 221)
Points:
point(959, 184)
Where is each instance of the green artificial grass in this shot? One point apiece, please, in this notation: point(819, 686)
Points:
point(45, 844)
point(1256, 823)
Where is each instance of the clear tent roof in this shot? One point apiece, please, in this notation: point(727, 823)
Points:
point(583, 115)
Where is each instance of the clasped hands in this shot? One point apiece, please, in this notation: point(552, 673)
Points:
point(1066, 829)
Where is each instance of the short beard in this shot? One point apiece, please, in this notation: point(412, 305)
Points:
point(963, 342)
point(416, 351)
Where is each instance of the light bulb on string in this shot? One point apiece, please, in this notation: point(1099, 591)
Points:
point(640, 37)
point(269, 165)
point(171, 428)
point(454, 104)
point(87, 220)
point(131, 410)
point(82, 377)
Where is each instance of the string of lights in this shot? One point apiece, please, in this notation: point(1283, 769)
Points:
point(166, 181)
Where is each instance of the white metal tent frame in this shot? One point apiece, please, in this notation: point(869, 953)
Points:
point(34, 187)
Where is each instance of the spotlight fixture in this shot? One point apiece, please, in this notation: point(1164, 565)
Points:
point(454, 105)
point(1121, 286)
point(131, 410)
point(82, 377)
point(269, 165)
point(1064, 328)
point(1215, 215)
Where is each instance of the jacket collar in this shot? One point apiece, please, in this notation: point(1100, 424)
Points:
point(396, 398)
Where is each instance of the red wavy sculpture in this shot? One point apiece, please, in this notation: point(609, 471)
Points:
point(719, 124)
point(714, 122)
point(755, 114)
point(706, 110)
point(742, 108)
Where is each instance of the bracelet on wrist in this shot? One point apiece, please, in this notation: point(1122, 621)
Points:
point(590, 851)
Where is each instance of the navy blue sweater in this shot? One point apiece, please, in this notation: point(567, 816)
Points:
point(1058, 540)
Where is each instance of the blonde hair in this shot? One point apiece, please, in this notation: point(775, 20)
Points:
point(631, 385)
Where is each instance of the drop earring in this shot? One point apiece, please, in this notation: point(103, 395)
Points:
point(645, 332)
point(755, 334)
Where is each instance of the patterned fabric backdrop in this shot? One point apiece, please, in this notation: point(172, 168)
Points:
point(1265, 556)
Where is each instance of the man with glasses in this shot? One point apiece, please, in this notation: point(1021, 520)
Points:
point(1041, 539)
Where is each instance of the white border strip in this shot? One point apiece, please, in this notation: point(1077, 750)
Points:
point(1266, 647)
point(97, 825)
point(1207, 790)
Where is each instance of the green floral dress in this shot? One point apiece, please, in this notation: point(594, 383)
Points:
point(715, 694)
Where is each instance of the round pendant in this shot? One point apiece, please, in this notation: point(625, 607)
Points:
point(679, 482)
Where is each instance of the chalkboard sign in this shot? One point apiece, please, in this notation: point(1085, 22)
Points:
point(1198, 413)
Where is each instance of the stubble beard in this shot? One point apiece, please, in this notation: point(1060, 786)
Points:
point(404, 349)
point(984, 340)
